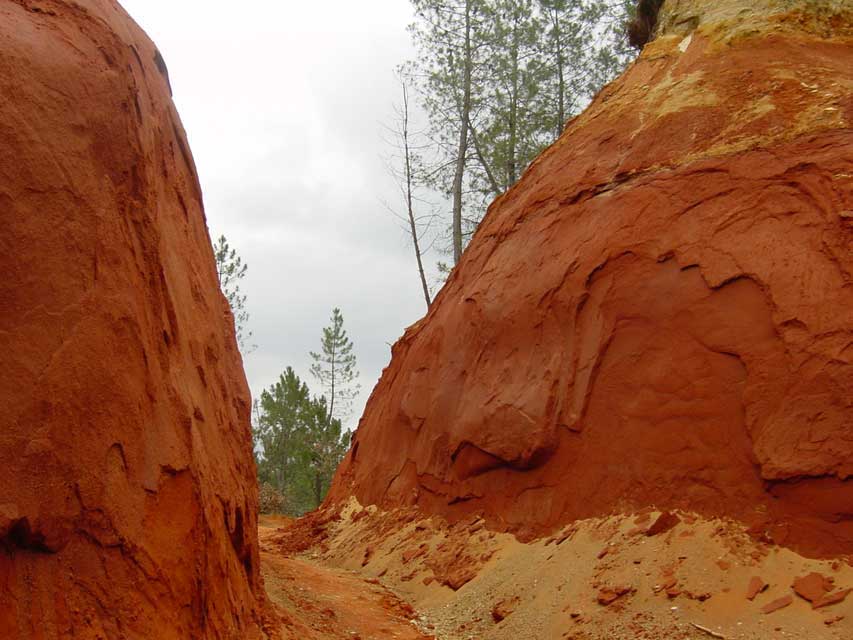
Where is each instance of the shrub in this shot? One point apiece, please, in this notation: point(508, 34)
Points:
point(270, 499)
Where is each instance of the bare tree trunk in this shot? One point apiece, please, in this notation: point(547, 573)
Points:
point(462, 150)
point(412, 225)
point(318, 488)
point(332, 393)
point(512, 162)
point(561, 82)
point(493, 183)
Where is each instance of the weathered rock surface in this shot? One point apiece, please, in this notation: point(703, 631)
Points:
point(660, 311)
point(127, 493)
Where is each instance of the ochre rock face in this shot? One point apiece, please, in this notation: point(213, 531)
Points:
point(127, 491)
point(660, 312)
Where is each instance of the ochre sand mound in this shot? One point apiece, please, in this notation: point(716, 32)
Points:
point(127, 486)
point(660, 312)
point(652, 575)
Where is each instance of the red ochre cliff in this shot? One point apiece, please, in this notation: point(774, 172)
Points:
point(127, 486)
point(660, 312)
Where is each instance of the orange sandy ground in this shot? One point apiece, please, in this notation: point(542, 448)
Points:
point(369, 574)
point(315, 601)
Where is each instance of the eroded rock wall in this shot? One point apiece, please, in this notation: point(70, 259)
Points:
point(127, 485)
point(660, 311)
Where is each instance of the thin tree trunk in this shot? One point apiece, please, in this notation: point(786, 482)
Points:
point(412, 224)
point(561, 82)
point(318, 489)
point(512, 162)
point(493, 183)
point(332, 392)
point(463, 139)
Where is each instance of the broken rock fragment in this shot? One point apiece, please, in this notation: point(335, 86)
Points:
point(609, 595)
point(831, 598)
point(504, 608)
point(811, 587)
point(663, 523)
point(779, 603)
point(756, 586)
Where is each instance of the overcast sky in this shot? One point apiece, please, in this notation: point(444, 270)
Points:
point(284, 104)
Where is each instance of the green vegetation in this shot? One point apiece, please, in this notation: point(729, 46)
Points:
point(230, 269)
point(497, 80)
point(298, 441)
point(299, 438)
point(335, 368)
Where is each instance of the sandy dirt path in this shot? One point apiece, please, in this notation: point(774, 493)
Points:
point(316, 602)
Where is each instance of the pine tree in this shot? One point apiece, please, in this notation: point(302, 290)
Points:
point(498, 79)
point(230, 269)
point(278, 434)
point(325, 446)
point(449, 37)
point(405, 167)
point(335, 368)
point(509, 130)
point(298, 445)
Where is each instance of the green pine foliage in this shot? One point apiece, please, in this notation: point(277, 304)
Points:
point(298, 444)
point(230, 269)
point(335, 368)
point(498, 80)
